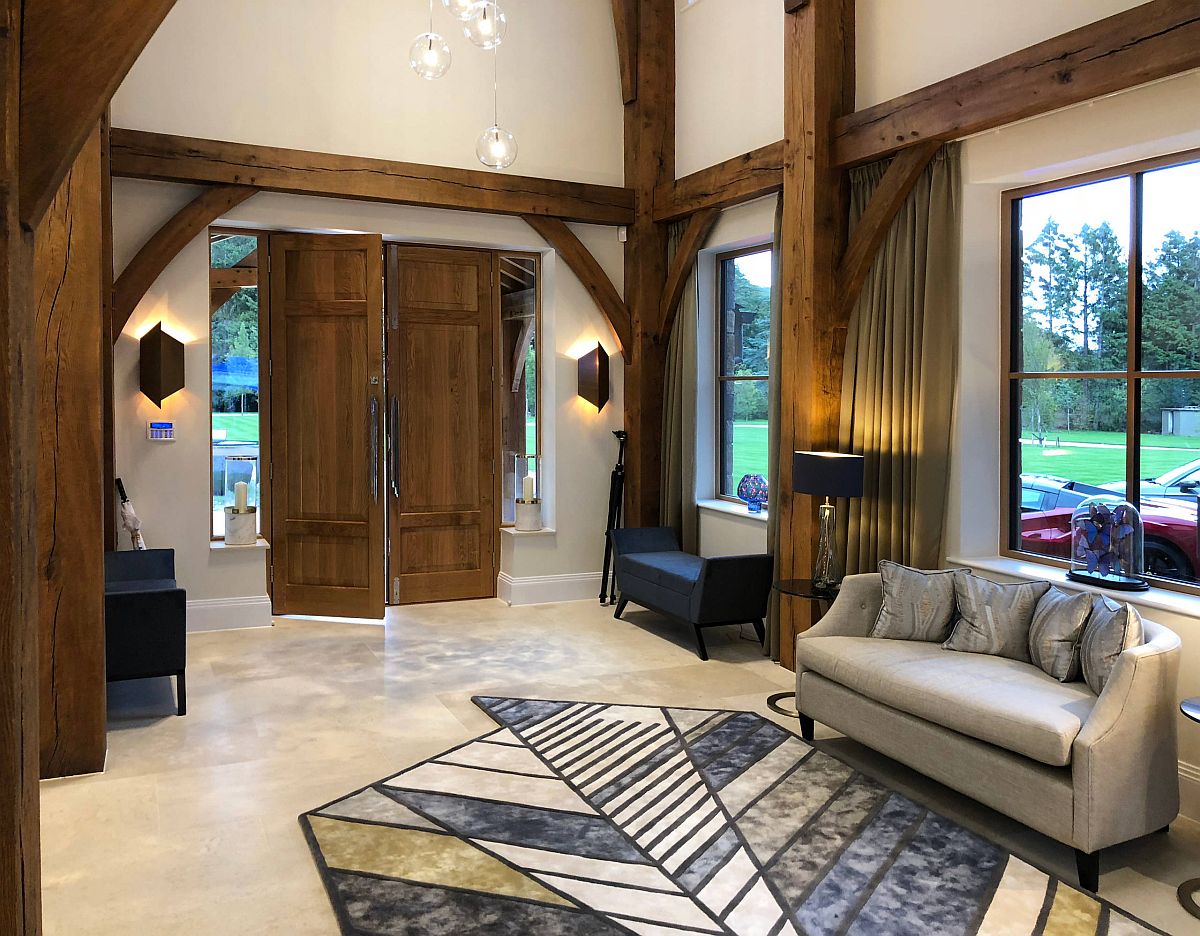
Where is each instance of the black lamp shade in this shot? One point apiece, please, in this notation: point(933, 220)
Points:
point(593, 377)
point(827, 474)
point(161, 364)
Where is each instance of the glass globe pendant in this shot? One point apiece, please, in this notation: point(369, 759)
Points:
point(487, 25)
point(496, 148)
point(429, 56)
point(461, 10)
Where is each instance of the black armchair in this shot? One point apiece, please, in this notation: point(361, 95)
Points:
point(653, 572)
point(145, 615)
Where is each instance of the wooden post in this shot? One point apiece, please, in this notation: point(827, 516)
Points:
point(72, 344)
point(20, 911)
point(649, 162)
point(818, 88)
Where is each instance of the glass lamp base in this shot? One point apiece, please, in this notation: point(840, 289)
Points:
point(1116, 582)
point(827, 574)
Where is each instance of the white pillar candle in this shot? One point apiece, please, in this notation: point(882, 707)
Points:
point(527, 489)
point(241, 495)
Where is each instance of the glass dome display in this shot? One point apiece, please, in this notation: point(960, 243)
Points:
point(1107, 544)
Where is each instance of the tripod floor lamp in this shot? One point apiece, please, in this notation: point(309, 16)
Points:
point(828, 475)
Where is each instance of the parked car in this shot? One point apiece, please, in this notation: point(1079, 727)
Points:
point(1182, 483)
point(1172, 543)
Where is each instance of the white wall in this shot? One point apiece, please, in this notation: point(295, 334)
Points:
point(1150, 121)
point(169, 482)
point(334, 77)
point(730, 59)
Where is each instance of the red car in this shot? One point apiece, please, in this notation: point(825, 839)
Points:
point(1172, 543)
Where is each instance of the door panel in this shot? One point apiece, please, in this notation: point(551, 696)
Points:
point(442, 497)
point(327, 424)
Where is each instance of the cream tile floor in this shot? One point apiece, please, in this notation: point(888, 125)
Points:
point(192, 828)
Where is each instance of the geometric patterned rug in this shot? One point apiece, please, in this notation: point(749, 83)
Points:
point(593, 819)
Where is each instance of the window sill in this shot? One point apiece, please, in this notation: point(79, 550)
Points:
point(513, 531)
point(222, 545)
point(1160, 599)
point(732, 509)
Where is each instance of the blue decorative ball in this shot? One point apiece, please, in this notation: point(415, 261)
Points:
point(753, 489)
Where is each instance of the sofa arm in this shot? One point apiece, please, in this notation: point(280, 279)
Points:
point(732, 589)
point(854, 611)
point(131, 565)
point(644, 539)
point(1125, 761)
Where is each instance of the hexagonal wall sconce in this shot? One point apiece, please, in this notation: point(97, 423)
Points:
point(161, 364)
point(593, 377)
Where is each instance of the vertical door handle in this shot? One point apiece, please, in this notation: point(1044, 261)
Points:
point(394, 442)
point(375, 448)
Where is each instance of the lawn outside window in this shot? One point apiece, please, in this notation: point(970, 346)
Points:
point(1101, 366)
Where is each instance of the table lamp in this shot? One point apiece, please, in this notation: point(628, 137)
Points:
point(828, 475)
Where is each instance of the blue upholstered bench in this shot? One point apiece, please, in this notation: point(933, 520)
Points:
point(654, 573)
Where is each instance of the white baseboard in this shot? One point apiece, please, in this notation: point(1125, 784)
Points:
point(1189, 790)
point(547, 589)
point(213, 614)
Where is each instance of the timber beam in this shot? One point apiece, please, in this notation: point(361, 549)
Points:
point(625, 20)
point(576, 256)
point(698, 229)
point(1140, 45)
point(165, 244)
point(74, 54)
point(872, 229)
point(165, 158)
point(733, 182)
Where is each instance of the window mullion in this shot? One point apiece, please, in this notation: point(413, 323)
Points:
point(1133, 348)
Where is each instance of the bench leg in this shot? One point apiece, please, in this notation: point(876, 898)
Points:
point(700, 648)
point(181, 692)
point(1088, 865)
point(761, 631)
point(807, 727)
point(622, 601)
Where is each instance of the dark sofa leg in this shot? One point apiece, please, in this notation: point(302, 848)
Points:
point(1089, 870)
point(700, 648)
point(761, 631)
point(621, 602)
point(181, 691)
point(807, 727)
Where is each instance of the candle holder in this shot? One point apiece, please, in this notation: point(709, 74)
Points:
point(528, 504)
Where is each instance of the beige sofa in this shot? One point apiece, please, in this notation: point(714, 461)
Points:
point(1090, 771)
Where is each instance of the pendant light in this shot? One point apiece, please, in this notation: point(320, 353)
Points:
point(487, 25)
point(496, 147)
point(461, 10)
point(429, 55)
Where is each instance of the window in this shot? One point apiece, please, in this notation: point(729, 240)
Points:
point(1103, 358)
point(519, 311)
point(743, 346)
point(235, 327)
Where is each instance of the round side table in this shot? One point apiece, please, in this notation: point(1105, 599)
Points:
point(799, 588)
point(1189, 889)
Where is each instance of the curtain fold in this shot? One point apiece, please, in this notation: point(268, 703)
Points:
point(774, 408)
point(898, 385)
point(678, 507)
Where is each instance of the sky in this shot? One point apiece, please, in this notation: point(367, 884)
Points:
point(1171, 202)
point(756, 267)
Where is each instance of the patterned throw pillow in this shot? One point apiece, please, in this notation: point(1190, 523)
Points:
point(994, 618)
point(917, 605)
point(1113, 629)
point(1056, 631)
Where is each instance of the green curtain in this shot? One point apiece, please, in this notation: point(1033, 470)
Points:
point(774, 406)
point(898, 385)
point(678, 507)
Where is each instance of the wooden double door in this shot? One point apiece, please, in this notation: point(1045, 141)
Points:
point(383, 430)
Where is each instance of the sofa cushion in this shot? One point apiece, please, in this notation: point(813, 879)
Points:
point(994, 618)
point(1003, 702)
point(1112, 629)
point(917, 605)
point(139, 585)
point(1055, 632)
point(675, 571)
